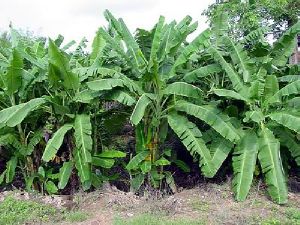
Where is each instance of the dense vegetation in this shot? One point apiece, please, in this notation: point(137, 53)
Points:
point(223, 97)
point(273, 15)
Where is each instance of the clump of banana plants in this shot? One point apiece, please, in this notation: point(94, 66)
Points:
point(221, 97)
point(267, 118)
point(155, 62)
point(46, 118)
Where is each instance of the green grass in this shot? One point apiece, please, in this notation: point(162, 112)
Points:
point(293, 213)
point(13, 212)
point(199, 205)
point(17, 212)
point(291, 216)
point(154, 219)
point(76, 216)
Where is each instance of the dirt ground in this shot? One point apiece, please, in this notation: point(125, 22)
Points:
point(208, 203)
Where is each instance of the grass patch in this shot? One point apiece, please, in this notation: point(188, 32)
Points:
point(293, 213)
point(199, 205)
point(291, 216)
point(272, 222)
point(17, 212)
point(76, 216)
point(153, 219)
point(13, 212)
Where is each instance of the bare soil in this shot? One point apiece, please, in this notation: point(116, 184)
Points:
point(210, 203)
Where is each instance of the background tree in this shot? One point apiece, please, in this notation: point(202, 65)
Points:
point(249, 15)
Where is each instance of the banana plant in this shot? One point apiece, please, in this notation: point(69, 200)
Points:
point(21, 104)
point(81, 157)
point(268, 108)
point(73, 113)
point(24, 81)
point(47, 77)
point(155, 61)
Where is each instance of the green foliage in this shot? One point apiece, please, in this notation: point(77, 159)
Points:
point(40, 91)
point(266, 100)
point(14, 115)
point(191, 138)
point(244, 161)
point(83, 140)
point(14, 73)
point(155, 82)
point(59, 69)
point(247, 16)
point(271, 164)
point(64, 174)
point(55, 142)
point(227, 91)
